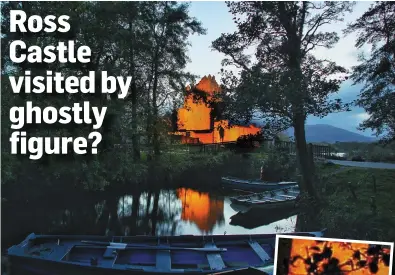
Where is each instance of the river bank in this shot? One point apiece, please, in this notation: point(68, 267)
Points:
point(34, 181)
point(73, 208)
point(182, 196)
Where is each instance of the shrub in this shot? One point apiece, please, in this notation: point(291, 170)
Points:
point(335, 157)
point(278, 165)
point(357, 158)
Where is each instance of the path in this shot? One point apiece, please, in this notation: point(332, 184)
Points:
point(367, 164)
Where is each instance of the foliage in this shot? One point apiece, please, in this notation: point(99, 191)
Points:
point(182, 162)
point(279, 165)
point(335, 157)
point(282, 79)
point(376, 151)
point(357, 158)
point(145, 40)
point(273, 27)
point(376, 28)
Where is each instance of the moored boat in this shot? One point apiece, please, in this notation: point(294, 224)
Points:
point(275, 199)
point(254, 185)
point(186, 254)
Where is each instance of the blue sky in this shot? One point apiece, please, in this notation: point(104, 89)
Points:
point(216, 19)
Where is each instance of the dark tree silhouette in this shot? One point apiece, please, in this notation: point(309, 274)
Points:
point(376, 27)
point(286, 81)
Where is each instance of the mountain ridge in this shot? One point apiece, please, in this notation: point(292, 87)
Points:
point(330, 134)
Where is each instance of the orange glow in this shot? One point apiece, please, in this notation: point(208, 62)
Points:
point(195, 116)
point(200, 209)
point(342, 251)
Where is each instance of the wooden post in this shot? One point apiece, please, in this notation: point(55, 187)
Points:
point(373, 205)
point(312, 149)
point(311, 157)
point(352, 191)
point(374, 184)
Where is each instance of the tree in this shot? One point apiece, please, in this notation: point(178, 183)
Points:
point(376, 27)
point(134, 56)
point(169, 25)
point(285, 80)
point(126, 39)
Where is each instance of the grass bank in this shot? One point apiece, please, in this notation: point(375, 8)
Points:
point(360, 203)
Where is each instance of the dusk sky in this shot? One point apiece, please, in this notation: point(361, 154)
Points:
point(216, 18)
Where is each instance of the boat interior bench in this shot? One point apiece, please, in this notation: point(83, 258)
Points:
point(208, 256)
point(266, 199)
point(292, 192)
point(286, 196)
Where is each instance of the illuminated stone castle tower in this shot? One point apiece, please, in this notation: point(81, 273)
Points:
point(194, 120)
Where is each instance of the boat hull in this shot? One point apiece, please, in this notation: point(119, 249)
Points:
point(254, 186)
point(255, 217)
point(239, 252)
point(245, 207)
point(26, 267)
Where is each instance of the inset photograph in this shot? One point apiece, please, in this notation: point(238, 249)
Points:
point(296, 255)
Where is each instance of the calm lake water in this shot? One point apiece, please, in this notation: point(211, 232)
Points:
point(166, 212)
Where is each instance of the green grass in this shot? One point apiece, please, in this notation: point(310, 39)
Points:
point(347, 217)
point(327, 168)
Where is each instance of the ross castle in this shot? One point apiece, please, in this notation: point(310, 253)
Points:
point(195, 122)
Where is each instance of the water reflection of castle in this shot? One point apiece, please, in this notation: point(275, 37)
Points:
point(201, 209)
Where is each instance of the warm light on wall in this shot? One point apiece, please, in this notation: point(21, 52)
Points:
point(194, 116)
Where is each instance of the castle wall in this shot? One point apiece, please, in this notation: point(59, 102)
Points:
point(195, 116)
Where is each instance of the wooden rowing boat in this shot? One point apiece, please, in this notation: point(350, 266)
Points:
point(276, 199)
point(254, 185)
point(186, 254)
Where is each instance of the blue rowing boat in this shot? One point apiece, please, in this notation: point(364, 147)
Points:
point(255, 185)
point(185, 254)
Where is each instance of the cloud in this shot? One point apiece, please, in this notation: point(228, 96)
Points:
point(362, 116)
point(346, 120)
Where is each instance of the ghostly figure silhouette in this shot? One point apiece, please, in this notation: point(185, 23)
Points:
point(221, 131)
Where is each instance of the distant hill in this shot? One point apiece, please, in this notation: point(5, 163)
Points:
point(330, 134)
